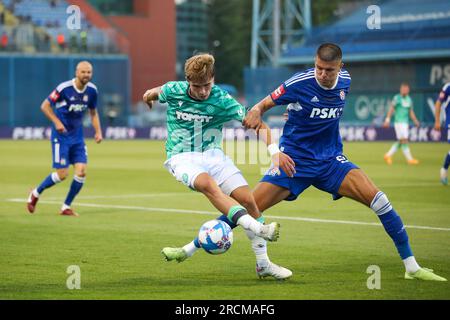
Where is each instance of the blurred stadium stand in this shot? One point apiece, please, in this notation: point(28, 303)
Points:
point(40, 26)
point(38, 50)
point(412, 45)
point(409, 29)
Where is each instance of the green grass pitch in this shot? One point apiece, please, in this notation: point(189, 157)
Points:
point(131, 207)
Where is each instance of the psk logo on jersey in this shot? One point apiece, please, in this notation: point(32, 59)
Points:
point(342, 95)
point(326, 113)
point(278, 92)
point(77, 107)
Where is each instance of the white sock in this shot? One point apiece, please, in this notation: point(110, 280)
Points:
point(392, 150)
point(64, 207)
point(190, 248)
point(411, 264)
point(407, 152)
point(249, 223)
point(35, 193)
point(259, 247)
point(55, 177)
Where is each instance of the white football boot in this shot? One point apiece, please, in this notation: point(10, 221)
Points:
point(273, 270)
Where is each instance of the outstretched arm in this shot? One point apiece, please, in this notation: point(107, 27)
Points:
point(414, 118)
point(388, 117)
point(48, 111)
point(279, 159)
point(253, 119)
point(96, 124)
point(437, 115)
point(151, 95)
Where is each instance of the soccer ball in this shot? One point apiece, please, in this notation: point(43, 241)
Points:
point(215, 236)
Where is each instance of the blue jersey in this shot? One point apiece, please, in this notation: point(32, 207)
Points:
point(312, 129)
point(69, 105)
point(444, 98)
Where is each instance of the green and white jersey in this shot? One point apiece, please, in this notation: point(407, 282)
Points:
point(194, 125)
point(402, 106)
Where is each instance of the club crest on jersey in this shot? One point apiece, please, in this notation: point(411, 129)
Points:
point(278, 92)
point(85, 98)
point(342, 95)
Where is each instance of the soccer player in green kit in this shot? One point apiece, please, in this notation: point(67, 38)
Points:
point(197, 110)
point(402, 107)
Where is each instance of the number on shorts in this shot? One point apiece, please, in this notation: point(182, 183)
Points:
point(342, 159)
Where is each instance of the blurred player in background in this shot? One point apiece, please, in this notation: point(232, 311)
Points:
point(442, 102)
point(197, 110)
point(316, 101)
point(402, 107)
point(65, 108)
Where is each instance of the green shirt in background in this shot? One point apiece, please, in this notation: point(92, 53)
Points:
point(194, 125)
point(402, 106)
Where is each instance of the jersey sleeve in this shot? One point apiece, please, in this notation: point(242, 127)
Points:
point(164, 93)
point(54, 97)
point(284, 95)
point(235, 111)
point(93, 101)
point(444, 93)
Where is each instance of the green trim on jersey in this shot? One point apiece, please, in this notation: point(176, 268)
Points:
point(402, 106)
point(193, 125)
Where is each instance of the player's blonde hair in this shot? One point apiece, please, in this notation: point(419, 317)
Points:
point(199, 68)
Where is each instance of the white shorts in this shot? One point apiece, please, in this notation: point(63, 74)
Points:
point(401, 130)
point(186, 167)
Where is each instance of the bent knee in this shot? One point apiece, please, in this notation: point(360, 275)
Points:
point(207, 186)
point(62, 174)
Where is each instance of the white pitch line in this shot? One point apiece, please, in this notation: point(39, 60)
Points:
point(94, 205)
point(143, 195)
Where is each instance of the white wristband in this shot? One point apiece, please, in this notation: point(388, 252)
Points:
point(273, 149)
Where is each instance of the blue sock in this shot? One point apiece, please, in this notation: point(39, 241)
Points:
point(392, 223)
point(48, 182)
point(197, 243)
point(227, 221)
point(447, 161)
point(75, 187)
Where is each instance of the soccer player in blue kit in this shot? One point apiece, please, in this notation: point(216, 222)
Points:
point(443, 102)
point(65, 108)
point(316, 100)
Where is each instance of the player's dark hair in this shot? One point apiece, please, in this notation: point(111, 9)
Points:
point(329, 52)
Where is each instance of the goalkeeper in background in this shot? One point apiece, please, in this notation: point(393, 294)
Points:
point(402, 107)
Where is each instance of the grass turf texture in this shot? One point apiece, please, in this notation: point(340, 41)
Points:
point(117, 239)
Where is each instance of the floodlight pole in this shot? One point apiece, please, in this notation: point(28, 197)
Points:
point(270, 38)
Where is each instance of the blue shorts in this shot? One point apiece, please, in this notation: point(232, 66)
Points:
point(66, 153)
point(325, 175)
